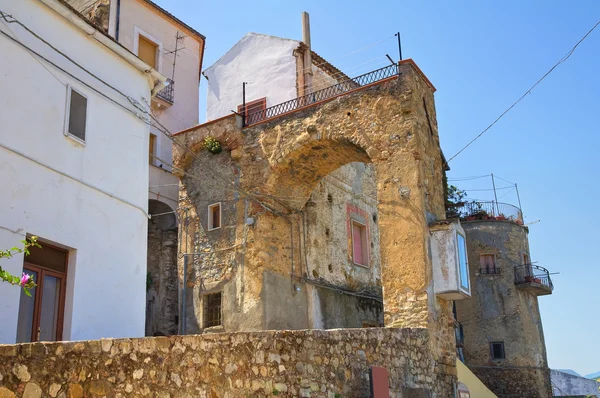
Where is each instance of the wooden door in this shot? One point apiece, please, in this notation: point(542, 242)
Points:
point(41, 315)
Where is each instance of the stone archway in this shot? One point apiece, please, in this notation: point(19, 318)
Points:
point(161, 279)
point(390, 124)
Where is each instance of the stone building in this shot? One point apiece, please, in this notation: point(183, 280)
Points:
point(503, 337)
point(249, 263)
point(339, 234)
point(159, 39)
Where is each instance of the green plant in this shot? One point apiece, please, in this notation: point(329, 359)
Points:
point(26, 280)
point(336, 395)
point(212, 145)
point(275, 391)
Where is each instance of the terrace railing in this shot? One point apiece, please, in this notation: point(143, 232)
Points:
point(167, 93)
point(533, 274)
point(321, 95)
point(470, 211)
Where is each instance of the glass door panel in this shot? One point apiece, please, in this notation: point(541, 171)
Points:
point(50, 297)
point(27, 312)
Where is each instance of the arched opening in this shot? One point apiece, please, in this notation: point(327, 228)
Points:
point(295, 177)
point(161, 277)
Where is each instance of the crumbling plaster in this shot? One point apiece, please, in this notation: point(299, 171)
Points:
point(280, 162)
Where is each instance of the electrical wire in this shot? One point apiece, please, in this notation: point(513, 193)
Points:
point(468, 178)
point(563, 59)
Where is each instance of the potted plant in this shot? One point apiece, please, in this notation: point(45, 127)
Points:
point(528, 278)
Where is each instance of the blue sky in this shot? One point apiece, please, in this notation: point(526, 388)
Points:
point(481, 56)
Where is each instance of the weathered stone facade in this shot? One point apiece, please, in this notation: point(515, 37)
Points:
point(260, 258)
point(289, 363)
point(162, 291)
point(499, 311)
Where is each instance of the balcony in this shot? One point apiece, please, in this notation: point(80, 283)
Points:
point(485, 211)
point(489, 271)
point(167, 94)
point(533, 278)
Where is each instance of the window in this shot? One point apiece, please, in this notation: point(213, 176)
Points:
point(214, 216)
point(526, 259)
point(497, 350)
point(147, 51)
point(76, 114)
point(152, 149)
point(462, 262)
point(253, 107)
point(360, 250)
point(41, 314)
point(212, 310)
point(488, 264)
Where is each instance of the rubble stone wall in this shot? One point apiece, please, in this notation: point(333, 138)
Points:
point(312, 363)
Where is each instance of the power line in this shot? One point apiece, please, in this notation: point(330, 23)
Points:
point(563, 59)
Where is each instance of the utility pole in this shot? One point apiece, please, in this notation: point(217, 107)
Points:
point(495, 195)
point(399, 45)
point(244, 104)
point(519, 199)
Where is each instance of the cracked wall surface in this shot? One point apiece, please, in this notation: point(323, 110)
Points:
point(261, 258)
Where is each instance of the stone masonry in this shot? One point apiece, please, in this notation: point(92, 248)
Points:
point(265, 177)
point(312, 363)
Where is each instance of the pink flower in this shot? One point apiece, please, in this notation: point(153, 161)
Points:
point(25, 279)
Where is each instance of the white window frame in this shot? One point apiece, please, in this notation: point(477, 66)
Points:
point(66, 131)
point(365, 246)
point(210, 216)
point(137, 32)
point(460, 279)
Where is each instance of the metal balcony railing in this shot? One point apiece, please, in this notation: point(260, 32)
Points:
point(470, 211)
point(533, 274)
point(489, 271)
point(167, 93)
point(320, 95)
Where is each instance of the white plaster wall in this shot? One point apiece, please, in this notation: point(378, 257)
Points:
point(446, 268)
point(90, 199)
point(136, 17)
point(564, 384)
point(267, 62)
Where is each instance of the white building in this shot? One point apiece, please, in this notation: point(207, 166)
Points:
point(74, 170)
point(175, 50)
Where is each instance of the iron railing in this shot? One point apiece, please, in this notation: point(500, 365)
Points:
point(489, 271)
point(470, 211)
point(531, 274)
point(168, 93)
point(320, 95)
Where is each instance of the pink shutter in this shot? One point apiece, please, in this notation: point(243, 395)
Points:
point(357, 244)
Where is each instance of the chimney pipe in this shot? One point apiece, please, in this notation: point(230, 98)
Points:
point(307, 64)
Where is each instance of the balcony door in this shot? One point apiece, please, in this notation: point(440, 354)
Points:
point(41, 314)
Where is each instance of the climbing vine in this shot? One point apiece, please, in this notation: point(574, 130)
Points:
point(26, 280)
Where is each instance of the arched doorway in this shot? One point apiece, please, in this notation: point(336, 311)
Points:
point(161, 278)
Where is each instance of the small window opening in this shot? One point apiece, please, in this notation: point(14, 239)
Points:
point(488, 264)
point(147, 51)
point(76, 114)
point(214, 216)
point(152, 149)
point(526, 259)
point(212, 310)
point(497, 350)
point(360, 251)
point(329, 198)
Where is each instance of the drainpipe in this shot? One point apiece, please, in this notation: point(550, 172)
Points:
point(308, 73)
point(118, 21)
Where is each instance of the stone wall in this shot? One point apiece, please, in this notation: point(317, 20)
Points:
point(162, 282)
point(515, 382)
point(289, 363)
point(565, 384)
point(498, 311)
